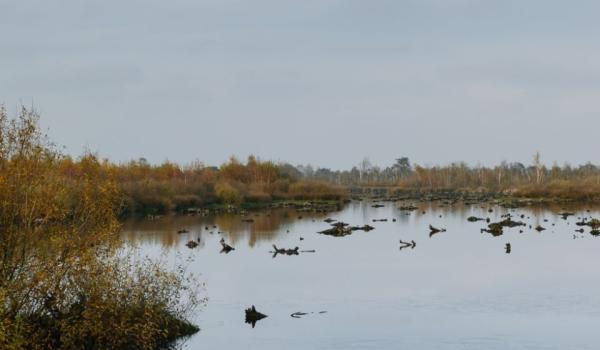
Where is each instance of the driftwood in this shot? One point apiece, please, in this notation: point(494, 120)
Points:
point(365, 228)
point(339, 229)
point(593, 223)
point(284, 251)
point(191, 244)
point(226, 247)
point(253, 316)
point(565, 215)
point(434, 230)
point(497, 228)
point(299, 314)
point(408, 208)
point(494, 228)
point(410, 244)
point(511, 223)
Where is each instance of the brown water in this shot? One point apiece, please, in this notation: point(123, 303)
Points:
point(455, 290)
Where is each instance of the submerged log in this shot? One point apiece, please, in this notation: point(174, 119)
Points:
point(339, 224)
point(299, 314)
point(365, 228)
point(408, 208)
point(497, 228)
point(494, 228)
point(285, 251)
point(593, 223)
point(339, 229)
point(565, 215)
point(511, 223)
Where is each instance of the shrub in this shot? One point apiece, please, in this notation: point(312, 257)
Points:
point(227, 193)
point(64, 281)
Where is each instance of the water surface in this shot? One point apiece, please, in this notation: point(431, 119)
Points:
point(455, 290)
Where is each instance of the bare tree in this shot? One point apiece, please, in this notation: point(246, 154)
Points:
point(538, 168)
point(364, 168)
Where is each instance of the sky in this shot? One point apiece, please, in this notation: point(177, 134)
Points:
point(325, 82)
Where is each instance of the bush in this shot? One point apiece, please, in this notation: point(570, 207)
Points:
point(184, 201)
point(65, 283)
point(228, 194)
point(315, 190)
point(258, 196)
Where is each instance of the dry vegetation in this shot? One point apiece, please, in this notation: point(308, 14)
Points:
point(159, 189)
point(581, 183)
point(537, 181)
point(64, 282)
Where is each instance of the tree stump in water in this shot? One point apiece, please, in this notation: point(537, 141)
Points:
point(253, 316)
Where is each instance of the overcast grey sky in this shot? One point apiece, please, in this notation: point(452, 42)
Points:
point(309, 81)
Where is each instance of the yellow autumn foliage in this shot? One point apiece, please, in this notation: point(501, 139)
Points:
point(65, 281)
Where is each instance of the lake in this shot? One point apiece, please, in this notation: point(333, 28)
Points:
point(457, 289)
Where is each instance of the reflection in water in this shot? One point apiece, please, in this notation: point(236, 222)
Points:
point(283, 251)
point(470, 284)
point(265, 226)
point(192, 244)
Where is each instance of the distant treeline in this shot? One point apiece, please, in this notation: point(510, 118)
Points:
point(516, 179)
point(159, 189)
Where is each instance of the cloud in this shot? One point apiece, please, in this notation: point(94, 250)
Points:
point(317, 81)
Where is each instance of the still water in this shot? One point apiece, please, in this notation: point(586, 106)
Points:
point(457, 289)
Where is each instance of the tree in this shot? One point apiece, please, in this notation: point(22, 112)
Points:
point(364, 168)
point(403, 167)
point(63, 283)
point(538, 168)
